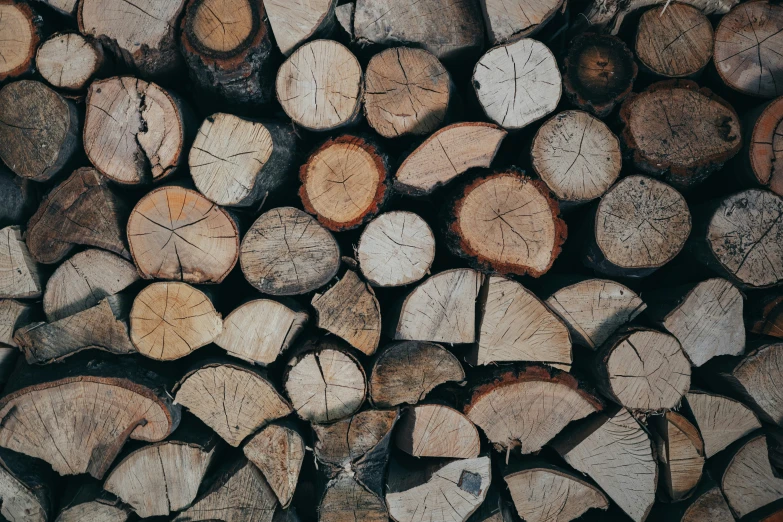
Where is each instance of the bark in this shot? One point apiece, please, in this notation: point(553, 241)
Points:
point(71, 61)
point(721, 420)
point(19, 274)
point(680, 451)
point(278, 451)
point(508, 20)
point(435, 430)
point(22, 32)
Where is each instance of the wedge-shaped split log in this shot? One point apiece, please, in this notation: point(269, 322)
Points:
point(278, 451)
point(721, 420)
point(680, 451)
point(435, 430)
point(19, 274)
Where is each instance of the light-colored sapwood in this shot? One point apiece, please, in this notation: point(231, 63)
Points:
point(441, 309)
point(680, 451)
point(406, 91)
point(610, 14)
point(85, 279)
point(176, 233)
point(765, 146)
point(296, 22)
point(66, 7)
point(512, 19)
point(260, 330)
point(287, 252)
point(69, 60)
point(517, 83)
point(748, 480)
point(20, 38)
point(721, 420)
point(435, 430)
point(233, 400)
point(278, 451)
point(13, 316)
point(446, 154)
point(395, 249)
point(405, 372)
point(320, 85)
point(576, 155)
point(344, 15)
point(26, 488)
point(19, 276)
point(346, 499)
point(86, 500)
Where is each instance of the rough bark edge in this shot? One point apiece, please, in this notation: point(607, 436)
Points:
point(771, 110)
point(35, 39)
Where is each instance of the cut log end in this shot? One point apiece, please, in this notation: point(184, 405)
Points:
point(221, 28)
point(758, 382)
point(433, 430)
point(296, 22)
point(766, 148)
point(19, 275)
point(721, 420)
point(69, 60)
point(680, 452)
point(510, 20)
point(748, 480)
point(278, 451)
point(21, 35)
point(346, 499)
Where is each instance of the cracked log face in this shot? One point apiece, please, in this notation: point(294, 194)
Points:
point(261, 342)
point(512, 19)
point(69, 60)
point(708, 505)
point(640, 225)
point(344, 182)
point(516, 326)
point(176, 233)
point(13, 315)
point(759, 382)
point(549, 494)
point(39, 131)
point(294, 22)
point(320, 86)
point(220, 27)
point(19, 277)
point(26, 488)
point(434, 430)
point(446, 154)
point(517, 83)
point(609, 14)
point(507, 223)
point(766, 147)
point(134, 131)
point(747, 49)
point(406, 91)
point(346, 499)
point(84, 280)
point(171, 320)
point(20, 38)
point(748, 480)
point(395, 249)
point(721, 420)
point(680, 451)
point(405, 372)
point(599, 72)
point(287, 252)
point(238, 162)
point(677, 129)
point(675, 41)
point(577, 156)
point(644, 370)
point(144, 34)
point(233, 400)
point(526, 409)
point(442, 308)
point(278, 451)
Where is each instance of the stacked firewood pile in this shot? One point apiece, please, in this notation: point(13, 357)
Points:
point(419, 260)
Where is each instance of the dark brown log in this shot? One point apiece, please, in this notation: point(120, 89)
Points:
point(19, 273)
point(764, 146)
point(18, 198)
point(296, 22)
point(609, 14)
point(680, 451)
point(14, 315)
point(21, 33)
point(85, 499)
point(55, 123)
point(228, 50)
point(435, 430)
point(509, 20)
point(599, 72)
point(766, 317)
point(70, 61)
point(721, 420)
point(27, 488)
point(278, 451)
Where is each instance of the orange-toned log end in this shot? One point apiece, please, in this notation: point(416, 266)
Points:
point(344, 182)
point(508, 223)
point(21, 35)
point(766, 148)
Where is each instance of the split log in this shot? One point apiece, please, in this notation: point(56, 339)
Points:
point(278, 451)
point(320, 86)
point(514, 325)
point(616, 453)
point(21, 32)
point(766, 317)
point(640, 225)
point(706, 318)
point(643, 370)
point(680, 451)
point(19, 276)
point(296, 22)
point(183, 312)
point(350, 311)
point(741, 237)
point(144, 37)
point(261, 342)
point(544, 493)
point(405, 372)
point(515, 97)
point(706, 503)
point(84, 280)
point(134, 404)
point(26, 487)
point(610, 14)
point(70, 61)
point(674, 40)
point(326, 384)
point(434, 430)
point(577, 156)
point(764, 146)
point(233, 400)
point(447, 29)
point(238, 162)
point(13, 316)
point(40, 131)
point(510, 20)
point(346, 499)
point(680, 130)
point(747, 49)
point(721, 420)
point(451, 494)
point(446, 154)
point(344, 15)
point(81, 210)
point(525, 409)
point(176, 233)
point(164, 477)
point(441, 309)
point(396, 249)
point(65, 7)
point(104, 327)
point(344, 182)
point(406, 92)
point(599, 72)
point(507, 223)
point(746, 476)
point(287, 252)
point(238, 493)
point(18, 198)
point(594, 309)
point(86, 500)
point(135, 131)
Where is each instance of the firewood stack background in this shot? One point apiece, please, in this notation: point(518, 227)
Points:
point(418, 260)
